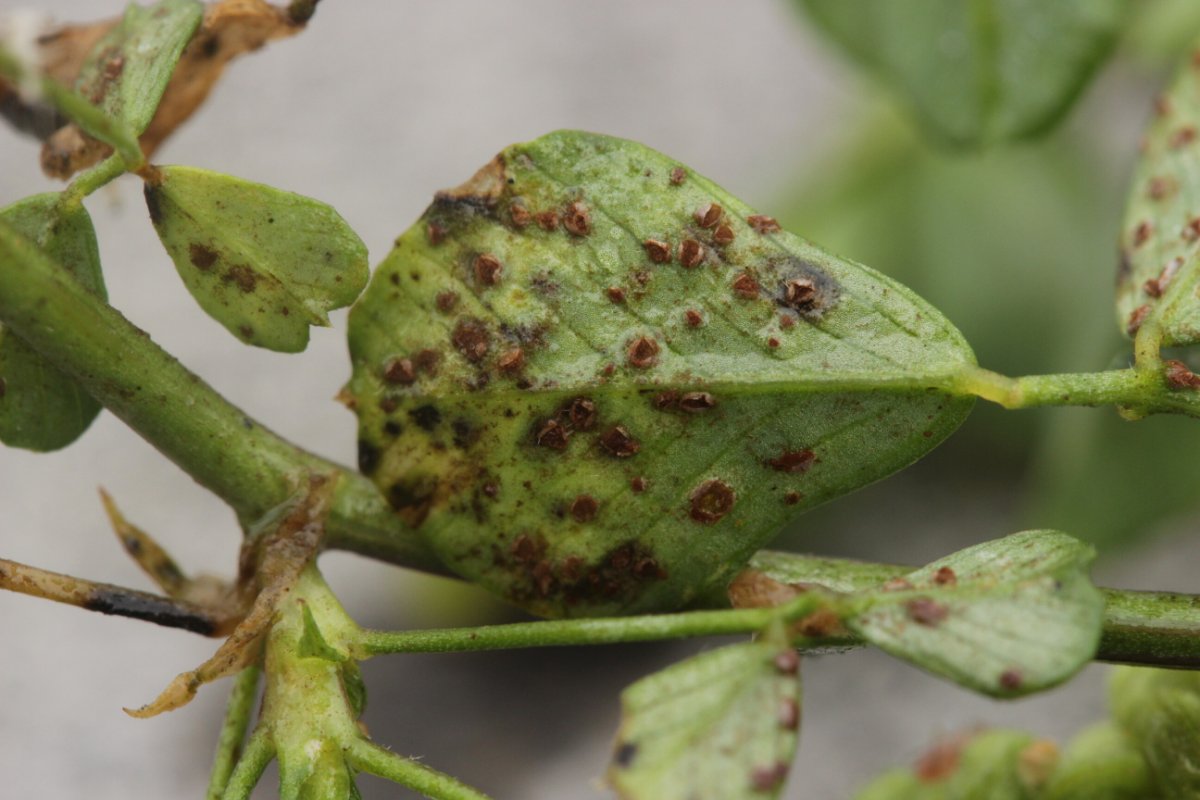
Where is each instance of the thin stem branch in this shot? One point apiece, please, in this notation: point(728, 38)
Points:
point(92, 179)
point(233, 730)
point(258, 753)
point(369, 757)
point(251, 468)
point(562, 633)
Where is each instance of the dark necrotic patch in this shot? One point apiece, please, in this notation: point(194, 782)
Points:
point(427, 417)
point(368, 457)
point(803, 288)
point(159, 610)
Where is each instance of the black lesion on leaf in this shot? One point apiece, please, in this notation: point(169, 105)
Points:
point(368, 457)
point(412, 497)
point(626, 753)
point(427, 417)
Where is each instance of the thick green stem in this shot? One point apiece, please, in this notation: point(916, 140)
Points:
point(558, 633)
point(244, 463)
point(257, 755)
point(1151, 628)
point(233, 731)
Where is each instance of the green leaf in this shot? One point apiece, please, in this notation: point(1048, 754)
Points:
point(720, 726)
point(1160, 239)
point(127, 70)
point(838, 574)
point(263, 262)
point(40, 407)
point(1160, 711)
point(1101, 763)
point(1006, 618)
point(585, 429)
point(991, 765)
point(978, 72)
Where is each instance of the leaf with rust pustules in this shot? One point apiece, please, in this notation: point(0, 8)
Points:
point(41, 408)
point(1159, 271)
point(722, 725)
point(596, 383)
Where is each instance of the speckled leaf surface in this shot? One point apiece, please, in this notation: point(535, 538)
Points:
point(720, 726)
point(1159, 273)
point(40, 407)
point(263, 262)
point(127, 71)
point(1006, 617)
point(977, 72)
point(597, 383)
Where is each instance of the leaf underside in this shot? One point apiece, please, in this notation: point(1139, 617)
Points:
point(41, 408)
point(593, 393)
point(720, 726)
point(978, 72)
point(263, 262)
point(1007, 617)
point(1159, 272)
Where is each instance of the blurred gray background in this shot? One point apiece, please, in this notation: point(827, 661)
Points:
point(379, 104)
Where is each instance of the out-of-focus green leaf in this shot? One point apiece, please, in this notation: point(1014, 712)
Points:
point(720, 726)
point(40, 407)
point(263, 262)
point(996, 242)
point(988, 765)
point(1162, 31)
point(128, 69)
point(1006, 618)
point(1101, 763)
point(590, 398)
point(1160, 711)
point(1160, 238)
point(979, 72)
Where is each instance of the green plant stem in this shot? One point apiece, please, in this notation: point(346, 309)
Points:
point(258, 753)
point(368, 757)
point(233, 731)
point(560, 633)
point(244, 463)
point(1151, 628)
point(92, 179)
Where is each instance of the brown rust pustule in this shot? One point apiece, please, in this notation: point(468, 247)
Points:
point(577, 219)
point(795, 462)
point(619, 443)
point(709, 215)
point(552, 434)
point(805, 289)
point(642, 352)
point(691, 253)
point(1179, 376)
point(696, 402)
point(581, 414)
point(657, 250)
point(711, 500)
point(471, 338)
point(584, 507)
point(761, 223)
point(926, 611)
point(723, 235)
point(745, 286)
point(488, 269)
point(512, 361)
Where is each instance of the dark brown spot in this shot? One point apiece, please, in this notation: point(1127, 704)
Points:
point(512, 361)
point(767, 779)
point(723, 235)
point(368, 457)
point(761, 223)
point(616, 294)
point(642, 352)
point(584, 508)
point(552, 434)
point(625, 755)
point(619, 443)
point(1184, 136)
point(1152, 287)
point(526, 549)
point(400, 371)
point(1142, 233)
point(243, 276)
point(638, 485)
point(427, 417)
point(427, 361)
point(446, 301)
point(519, 215)
point(926, 611)
point(709, 216)
point(691, 253)
point(202, 257)
point(695, 402)
point(1179, 376)
point(792, 498)
point(793, 461)
point(577, 219)
point(665, 401)
point(491, 490)
point(1191, 231)
point(246, 331)
point(787, 662)
point(786, 321)
point(658, 251)
point(772, 343)
point(1011, 679)
point(581, 413)
point(548, 220)
point(435, 233)
point(711, 500)
point(1160, 187)
point(941, 760)
point(678, 175)
point(945, 577)
point(470, 337)
point(1136, 318)
point(1155, 287)
point(487, 269)
point(693, 318)
point(745, 286)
